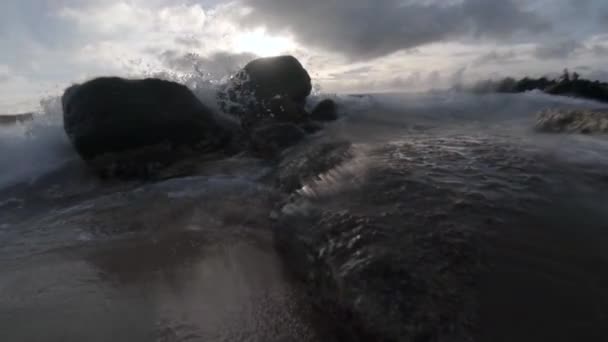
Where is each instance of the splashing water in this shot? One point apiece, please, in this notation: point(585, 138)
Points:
point(192, 258)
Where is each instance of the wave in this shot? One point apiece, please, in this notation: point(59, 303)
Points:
point(34, 148)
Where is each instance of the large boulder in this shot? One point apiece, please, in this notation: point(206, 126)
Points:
point(110, 116)
point(269, 90)
point(283, 76)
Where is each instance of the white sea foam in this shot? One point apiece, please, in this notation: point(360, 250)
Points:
point(30, 149)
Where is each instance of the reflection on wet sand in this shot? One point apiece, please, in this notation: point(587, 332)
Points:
point(156, 291)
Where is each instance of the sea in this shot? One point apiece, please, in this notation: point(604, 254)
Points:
point(194, 257)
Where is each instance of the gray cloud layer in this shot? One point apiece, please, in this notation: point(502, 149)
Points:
point(558, 50)
point(495, 57)
point(604, 18)
point(364, 29)
point(348, 45)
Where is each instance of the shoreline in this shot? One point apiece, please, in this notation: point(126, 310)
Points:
point(11, 119)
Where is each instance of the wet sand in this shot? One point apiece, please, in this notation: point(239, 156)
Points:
point(154, 291)
point(154, 263)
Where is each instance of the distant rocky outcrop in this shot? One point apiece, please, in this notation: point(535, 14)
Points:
point(112, 116)
point(11, 119)
point(572, 121)
point(593, 90)
point(567, 85)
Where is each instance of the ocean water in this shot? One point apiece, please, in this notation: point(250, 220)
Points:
point(194, 258)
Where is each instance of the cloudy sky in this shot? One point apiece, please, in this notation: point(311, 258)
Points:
point(347, 45)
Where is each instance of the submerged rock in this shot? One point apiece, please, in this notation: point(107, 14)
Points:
point(109, 116)
point(311, 127)
point(572, 121)
point(270, 140)
point(326, 110)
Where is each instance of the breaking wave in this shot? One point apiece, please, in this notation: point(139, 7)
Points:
point(33, 148)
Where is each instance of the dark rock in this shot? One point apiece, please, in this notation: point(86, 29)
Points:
point(566, 86)
point(284, 75)
point(311, 127)
point(268, 89)
point(276, 110)
point(580, 88)
point(326, 110)
point(270, 140)
point(111, 115)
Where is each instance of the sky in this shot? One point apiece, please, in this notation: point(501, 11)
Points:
point(348, 46)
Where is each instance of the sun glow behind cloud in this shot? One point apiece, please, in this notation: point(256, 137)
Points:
point(262, 44)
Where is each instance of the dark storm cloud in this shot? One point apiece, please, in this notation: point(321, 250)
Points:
point(494, 57)
point(600, 75)
point(568, 49)
point(365, 29)
point(558, 50)
point(600, 50)
point(604, 19)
